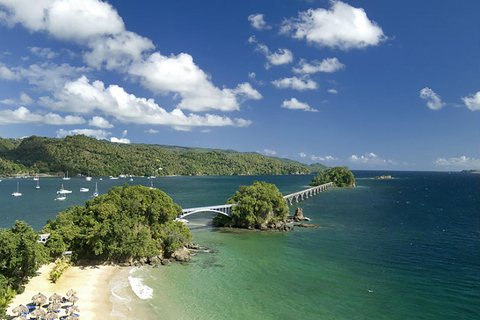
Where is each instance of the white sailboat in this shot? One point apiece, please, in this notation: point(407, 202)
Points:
point(95, 194)
point(36, 177)
point(151, 184)
point(38, 184)
point(84, 189)
point(60, 196)
point(66, 177)
point(64, 191)
point(88, 178)
point(17, 193)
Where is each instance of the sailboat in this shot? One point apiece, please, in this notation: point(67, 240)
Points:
point(60, 196)
point(151, 184)
point(88, 178)
point(36, 177)
point(17, 194)
point(64, 191)
point(95, 194)
point(66, 177)
point(38, 184)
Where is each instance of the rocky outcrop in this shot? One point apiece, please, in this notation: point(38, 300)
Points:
point(305, 225)
point(182, 255)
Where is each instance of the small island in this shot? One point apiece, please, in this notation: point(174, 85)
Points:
point(340, 176)
point(383, 177)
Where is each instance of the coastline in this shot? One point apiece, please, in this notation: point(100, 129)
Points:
point(91, 284)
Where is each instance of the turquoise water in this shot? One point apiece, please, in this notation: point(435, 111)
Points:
point(406, 248)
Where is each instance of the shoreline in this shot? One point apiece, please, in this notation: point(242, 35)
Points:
point(91, 284)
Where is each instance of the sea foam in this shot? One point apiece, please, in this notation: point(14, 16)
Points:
point(142, 291)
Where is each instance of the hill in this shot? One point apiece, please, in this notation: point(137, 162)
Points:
point(80, 154)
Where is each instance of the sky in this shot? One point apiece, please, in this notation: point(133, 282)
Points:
point(369, 84)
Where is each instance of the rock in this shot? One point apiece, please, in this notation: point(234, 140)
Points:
point(156, 260)
point(298, 214)
point(304, 225)
point(182, 255)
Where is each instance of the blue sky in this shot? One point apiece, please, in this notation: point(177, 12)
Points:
point(371, 84)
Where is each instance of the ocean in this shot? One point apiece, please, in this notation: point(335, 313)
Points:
point(403, 248)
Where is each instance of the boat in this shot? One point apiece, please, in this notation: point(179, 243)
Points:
point(64, 191)
point(66, 177)
point(151, 184)
point(17, 193)
point(60, 196)
point(36, 177)
point(95, 194)
point(38, 184)
point(185, 221)
point(131, 179)
point(88, 178)
point(113, 178)
point(84, 189)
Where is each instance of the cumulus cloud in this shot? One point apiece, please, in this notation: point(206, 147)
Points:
point(281, 56)
point(269, 152)
point(296, 83)
point(370, 159)
point(23, 115)
point(342, 26)
point(96, 133)
point(81, 96)
point(472, 101)
point(326, 65)
point(323, 158)
point(100, 122)
point(258, 22)
point(152, 131)
point(7, 74)
point(332, 91)
point(294, 104)
point(434, 101)
point(462, 162)
point(45, 53)
point(24, 100)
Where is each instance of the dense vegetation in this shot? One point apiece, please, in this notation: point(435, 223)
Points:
point(340, 176)
point(257, 206)
point(79, 154)
point(126, 224)
point(20, 257)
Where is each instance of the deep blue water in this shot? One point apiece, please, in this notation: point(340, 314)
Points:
point(405, 248)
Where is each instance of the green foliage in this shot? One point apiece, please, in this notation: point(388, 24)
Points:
point(127, 223)
point(6, 296)
point(79, 154)
point(60, 266)
point(340, 176)
point(258, 204)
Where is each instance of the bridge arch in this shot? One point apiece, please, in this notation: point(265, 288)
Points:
point(204, 210)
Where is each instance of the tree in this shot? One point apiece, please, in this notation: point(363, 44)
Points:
point(340, 176)
point(257, 205)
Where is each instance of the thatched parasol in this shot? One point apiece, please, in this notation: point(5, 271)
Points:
point(55, 298)
point(73, 298)
point(38, 313)
point(39, 298)
point(54, 306)
point(19, 318)
point(51, 315)
point(70, 292)
point(73, 309)
point(72, 317)
point(20, 309)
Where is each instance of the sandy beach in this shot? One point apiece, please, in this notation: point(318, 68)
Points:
point(90, 284)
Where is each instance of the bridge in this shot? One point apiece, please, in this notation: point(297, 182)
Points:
point(226, 209)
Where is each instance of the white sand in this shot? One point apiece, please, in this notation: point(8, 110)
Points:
point(89, 283)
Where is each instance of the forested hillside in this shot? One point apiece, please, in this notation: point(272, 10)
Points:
point(79, 154)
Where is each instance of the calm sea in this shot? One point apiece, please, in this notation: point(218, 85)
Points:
point(405, 248)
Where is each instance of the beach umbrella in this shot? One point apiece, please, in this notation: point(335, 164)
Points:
point(73, 298)
point(55, 298)
point(39, 298)
point(51, 315)
point(20, 309)
point(38, 313)
point(73, 309)
point(70, 292)
point(72, 317)
point(19, 318)
point(54, 306)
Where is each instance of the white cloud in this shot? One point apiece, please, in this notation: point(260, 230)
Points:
point(302, 155)
point(66, 19)
point(152, 131)
point(433, 100)
point(296, 83)
point(326, 65)
point(343, 27)
point(23, 115)
point(294, 104)
point(323, 158)
point(7, 74)
point(282, 56)
point(269, 152)
point(81, 96)
point(332, 91)
point(370, 159)
point(180, 74)
point(462, 162)
point(45, 53)
point(258, 22)
point(96, 133)
point(121, 140)
point(472, 101)
point(24, 100)
point(100, 122)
